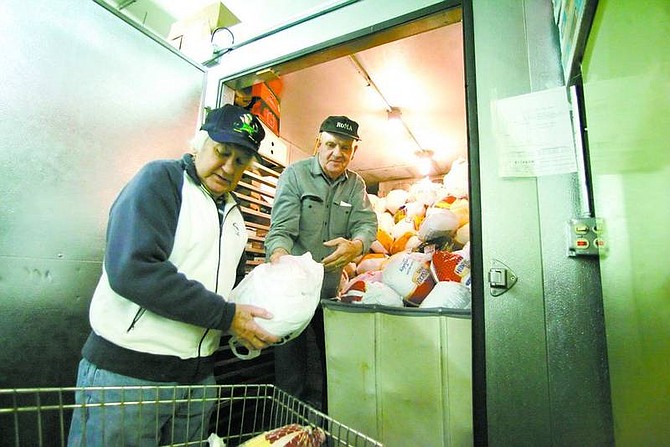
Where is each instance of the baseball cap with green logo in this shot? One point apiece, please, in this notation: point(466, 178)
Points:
point(236, 125)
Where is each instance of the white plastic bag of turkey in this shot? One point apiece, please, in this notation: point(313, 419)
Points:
point(371, 261)
point(438, 224)
point(380, 293)
point(409, 275)
point(368, 288)
point(424, 192)
point(456, 180)
point(463, 234)
point(402, 227)
point(385, 222)
point(289, 289)
point(378, 203)
point(414, 209)
point(465, 251)
point(450, 294)
point(395, 199)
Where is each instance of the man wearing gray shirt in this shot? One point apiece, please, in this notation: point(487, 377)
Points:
point(320, 207)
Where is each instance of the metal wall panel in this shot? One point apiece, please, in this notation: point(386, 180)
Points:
point(86, 99)
point(546, 379)
point(407, 379)
point(514, 322)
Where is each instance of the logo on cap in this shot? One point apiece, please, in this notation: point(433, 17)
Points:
point(341, 125)
point(247, 125)
point(345, 126)
point(236, 125)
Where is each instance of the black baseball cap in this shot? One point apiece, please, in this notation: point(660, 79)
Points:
point(234, 124)
point(340, 125)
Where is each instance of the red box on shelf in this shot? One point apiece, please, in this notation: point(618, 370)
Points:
point(265, 114)
point(263, 91)
point(276, 85)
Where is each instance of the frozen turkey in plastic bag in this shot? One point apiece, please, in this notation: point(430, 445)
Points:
point(395, 199)
point(456, 180)
point(290, 289)
point(409, 275)
point(448, 294)
point(438, 224)
point(368, 288)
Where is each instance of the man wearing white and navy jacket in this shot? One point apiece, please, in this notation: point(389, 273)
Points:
point(175, 250)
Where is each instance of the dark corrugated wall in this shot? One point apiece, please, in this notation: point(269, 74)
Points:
point(85, 100)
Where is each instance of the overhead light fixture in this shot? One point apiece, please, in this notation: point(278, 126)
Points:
point(394, 114)
point(424, 161)
point(394, 120)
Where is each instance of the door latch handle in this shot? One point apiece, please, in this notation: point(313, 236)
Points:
point(501, 278)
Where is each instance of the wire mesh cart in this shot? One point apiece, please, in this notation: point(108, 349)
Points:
point(42, 416)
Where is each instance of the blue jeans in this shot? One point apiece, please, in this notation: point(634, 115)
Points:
point(163, 414)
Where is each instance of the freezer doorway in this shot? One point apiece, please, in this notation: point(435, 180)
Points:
point(405, 87)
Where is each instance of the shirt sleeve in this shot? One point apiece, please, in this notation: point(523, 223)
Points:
point(140, 238)
point(285, 216)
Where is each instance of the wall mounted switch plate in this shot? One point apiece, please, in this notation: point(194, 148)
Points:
point(586, 237)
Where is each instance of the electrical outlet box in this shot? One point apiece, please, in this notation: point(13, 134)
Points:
point(586, 237)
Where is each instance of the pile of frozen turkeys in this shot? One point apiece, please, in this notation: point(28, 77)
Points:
point(421, 257)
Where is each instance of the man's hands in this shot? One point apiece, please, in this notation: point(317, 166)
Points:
point(250, 334)
point(345, 252)
point(278, 253)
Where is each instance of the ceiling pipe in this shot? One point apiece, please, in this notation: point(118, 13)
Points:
point(368, 80)
point(424, 157)
point(395, 111)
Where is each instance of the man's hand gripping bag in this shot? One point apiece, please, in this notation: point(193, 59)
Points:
point(289, 289)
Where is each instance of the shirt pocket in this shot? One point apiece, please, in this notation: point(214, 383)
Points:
point(340, 214)
point(312, 213)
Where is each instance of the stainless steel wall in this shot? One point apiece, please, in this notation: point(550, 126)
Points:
point(85, 100)
point(546, 363)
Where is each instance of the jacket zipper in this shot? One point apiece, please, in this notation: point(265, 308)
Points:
point(137, 317)
point(218, 264)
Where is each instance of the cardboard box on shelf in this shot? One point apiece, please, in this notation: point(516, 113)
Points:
point(193, 41)
point(261, 233)
point(276, 85)
point(266, 115)
point(257, 245)
point(192, 35)
point(214, 15)
point(265, 94)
